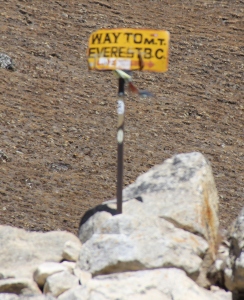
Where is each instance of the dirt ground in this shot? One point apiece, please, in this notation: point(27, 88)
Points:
point(58, 120)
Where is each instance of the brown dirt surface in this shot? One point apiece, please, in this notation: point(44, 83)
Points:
point(58, 120)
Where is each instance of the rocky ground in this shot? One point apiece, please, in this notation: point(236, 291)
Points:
point(58, 120)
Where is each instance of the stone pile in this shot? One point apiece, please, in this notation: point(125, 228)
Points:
point(29, 261)
point(165, 245)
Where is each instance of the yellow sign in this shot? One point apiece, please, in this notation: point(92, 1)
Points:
point(129, 49)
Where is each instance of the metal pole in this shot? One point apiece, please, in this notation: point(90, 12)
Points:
point(120, 140)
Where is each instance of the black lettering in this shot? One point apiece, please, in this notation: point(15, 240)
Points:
point(92, 52)
point(100, 51)
point(137, 38)
point(161, 41)
point(138, 49)
point(116, 36)
point(130, 53)
point(128, 34)
point(114, 52)
point(157, 53)
point(105, 51)
point(147, 41)
point(147, 53)
point(122, 53)
point(96, 37)
point(107, 39)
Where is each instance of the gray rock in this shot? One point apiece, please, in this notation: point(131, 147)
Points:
point(89, 227)
point(27, 297)
point(126, 243)
point(5, 296)
point(19, 286)
point(234, 271)
point(6, 62)
point(69, 265)
point(60, 282)
point(181, 190)
point(216, 271)
point(71, 251)
point(47, 269)
point(83, 276)
point(160, 284)
point(21, 252)
point(182, 193)
point(76, 293)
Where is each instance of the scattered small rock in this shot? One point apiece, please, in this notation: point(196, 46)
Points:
point(59, 167)
point(3, 156)
point(6, 62)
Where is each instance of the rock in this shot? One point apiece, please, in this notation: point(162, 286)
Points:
point(181, 190)
point(69, 265)
point(25, 297)
point(76, 293)
point(234, 271)
point(4, 157)
point(4, 296)
point(95, 218)
point(19, 286)
point(46, 269)
point(83, 276)
point(71, 251)
point(126, 243)
point(21, 252)
point(60, 282)
point(6, 62)
point(150, 284)
point(216, 271)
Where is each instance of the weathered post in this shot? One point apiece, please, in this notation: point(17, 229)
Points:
point(120, 141)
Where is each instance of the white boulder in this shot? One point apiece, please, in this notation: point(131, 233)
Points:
point(156, 284)
point(60, 282)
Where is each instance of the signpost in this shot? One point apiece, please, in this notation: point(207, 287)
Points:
point(123, 50)
point(129, 49)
